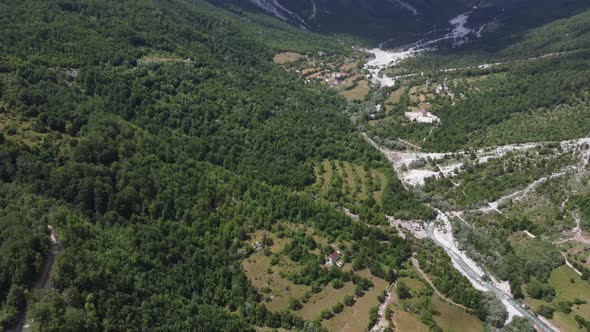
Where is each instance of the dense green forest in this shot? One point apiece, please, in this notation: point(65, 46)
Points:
point(23, 243)
point(154, 137)
point(157, 137)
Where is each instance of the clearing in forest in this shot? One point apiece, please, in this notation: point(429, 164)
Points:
point(326, 299)
point(394, 98)
point(162, 57)
point(447, 316)
point(568, 287)
point(269, 266)
point(269, 280)
point(405, 321)
point(29, 133)
point(356, 317)
point(286, 57)
point(407, 312)
point(358, 93)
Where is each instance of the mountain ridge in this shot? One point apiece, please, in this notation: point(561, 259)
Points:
point(403, 21)
point(373, 20)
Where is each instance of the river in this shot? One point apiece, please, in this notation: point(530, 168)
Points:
point(440, 231)
point(458, 34)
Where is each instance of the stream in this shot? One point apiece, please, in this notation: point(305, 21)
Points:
point(458, 34)
point(440, 230)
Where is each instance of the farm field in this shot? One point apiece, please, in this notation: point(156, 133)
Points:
point(268, 269)
point(341, 72)
point(452, 318)
point(327, 298)
point(276, 289)
point(405, 321)
point(562, 279)
point(358, 93)
point(394, 98)
point(356, 317)
point(447, 316)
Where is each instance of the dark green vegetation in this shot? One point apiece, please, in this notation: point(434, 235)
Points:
point(371, 192)
point(544, 99)
point(365, 252)
point(23, 242)
point(156, 137)
point(162, 135)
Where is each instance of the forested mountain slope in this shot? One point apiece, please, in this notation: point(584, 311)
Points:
point(512, 218)
point(549, 96)
point(154, 136)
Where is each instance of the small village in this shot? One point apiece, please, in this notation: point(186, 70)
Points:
point(343, 73)
point(419, 97)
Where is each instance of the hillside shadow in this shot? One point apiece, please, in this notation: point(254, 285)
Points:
point(518, 17)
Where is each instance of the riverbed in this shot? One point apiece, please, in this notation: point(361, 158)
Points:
point(459, 34)
point(440, 230)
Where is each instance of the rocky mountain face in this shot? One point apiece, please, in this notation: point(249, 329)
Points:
point(312, 11)
point(402, 20)
point(374, 19)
